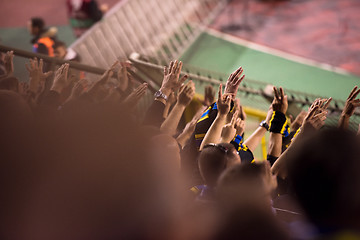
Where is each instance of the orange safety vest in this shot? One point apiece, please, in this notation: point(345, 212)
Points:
point(48, 42)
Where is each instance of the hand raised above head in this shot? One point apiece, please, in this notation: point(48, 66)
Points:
point(351, 102)
point(234, 81)
point(280, 102)
point(186, 93)
point(171, 80)
point(223, 102)
point(9, 63)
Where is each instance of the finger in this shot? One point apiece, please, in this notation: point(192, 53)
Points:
point(234, 118)
point(238, 73)
point(327, 103)
point(352, 93)
point(281, 93)
point(47, 74)
point(220, 92)
point(312, 112)
point(165, 70)
point(356, 93)
point(183, 79)
point(276, 95)
point(41, 64)
point(179, 67)
point(173, 69)
point(171, 66)
point(240, 80)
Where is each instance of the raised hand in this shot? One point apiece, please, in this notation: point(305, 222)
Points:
point(280, 102)
point(186, 94)
point(98, 88)
point(79, 88)
point(223, 102)
point(209, 97)
point(315, 118)
point(351, 102)
point(234, 81)
point(37, 77)
point(298, 121)
point(134, 97)
point(171, 82)
point(61, 78)
point(123, 76)
point(9, 63)
point(229, 130)
point(239, 126)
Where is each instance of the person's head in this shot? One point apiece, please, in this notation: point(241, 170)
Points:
point(36, 25)
point(60, 49)
point(325, 176)
point(214, 159)
point(9, 83)
point(246, 183)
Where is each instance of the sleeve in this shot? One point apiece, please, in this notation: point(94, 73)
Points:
point(154, 115)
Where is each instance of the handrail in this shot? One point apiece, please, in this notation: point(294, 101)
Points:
point(53, 60)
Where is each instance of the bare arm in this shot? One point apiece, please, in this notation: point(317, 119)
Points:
point(214, 132)
point(185, 96)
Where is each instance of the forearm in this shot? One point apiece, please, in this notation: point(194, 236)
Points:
point(253, 141)
point(171, 122)
point(275, 142)
point(214, 133)
point(183, 138)
point(344, 121)
point(166, 110)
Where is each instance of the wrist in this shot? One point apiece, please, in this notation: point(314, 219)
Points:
point(56, 88)
point(166, 91)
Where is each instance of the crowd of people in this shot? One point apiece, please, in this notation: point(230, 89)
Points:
point(78, 161)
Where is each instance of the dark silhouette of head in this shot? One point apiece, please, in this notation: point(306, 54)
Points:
point(325, 175)
point(214, 159)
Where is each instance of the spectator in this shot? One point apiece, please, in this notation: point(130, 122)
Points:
point(83, 14)
point(43, 39)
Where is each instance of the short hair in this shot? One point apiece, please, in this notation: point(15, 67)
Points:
point(213, 160)
point(59, 44)
point(38, 22)
point(325, 175)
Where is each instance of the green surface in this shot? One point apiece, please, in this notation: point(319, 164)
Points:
point(219, 55)
point(20, 38)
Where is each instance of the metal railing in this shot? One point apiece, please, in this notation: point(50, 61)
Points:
point(158, 29)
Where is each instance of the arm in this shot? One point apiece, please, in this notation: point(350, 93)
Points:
point(170, 83)
point(349, 109)
point(253, 141)
point(277, 121)
point(314, 120)
point(214, 132)
point(185, 96)
point(171, 100)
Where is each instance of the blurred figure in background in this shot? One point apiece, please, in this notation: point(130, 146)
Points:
point(44, 38)
point(83, 14)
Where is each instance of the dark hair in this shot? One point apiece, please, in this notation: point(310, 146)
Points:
point(59, 44)
point(324, 174)
point(213, 160)
point(38, 22)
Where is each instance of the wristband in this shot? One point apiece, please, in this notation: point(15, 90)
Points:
point(264, 125)
point(277, 122)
